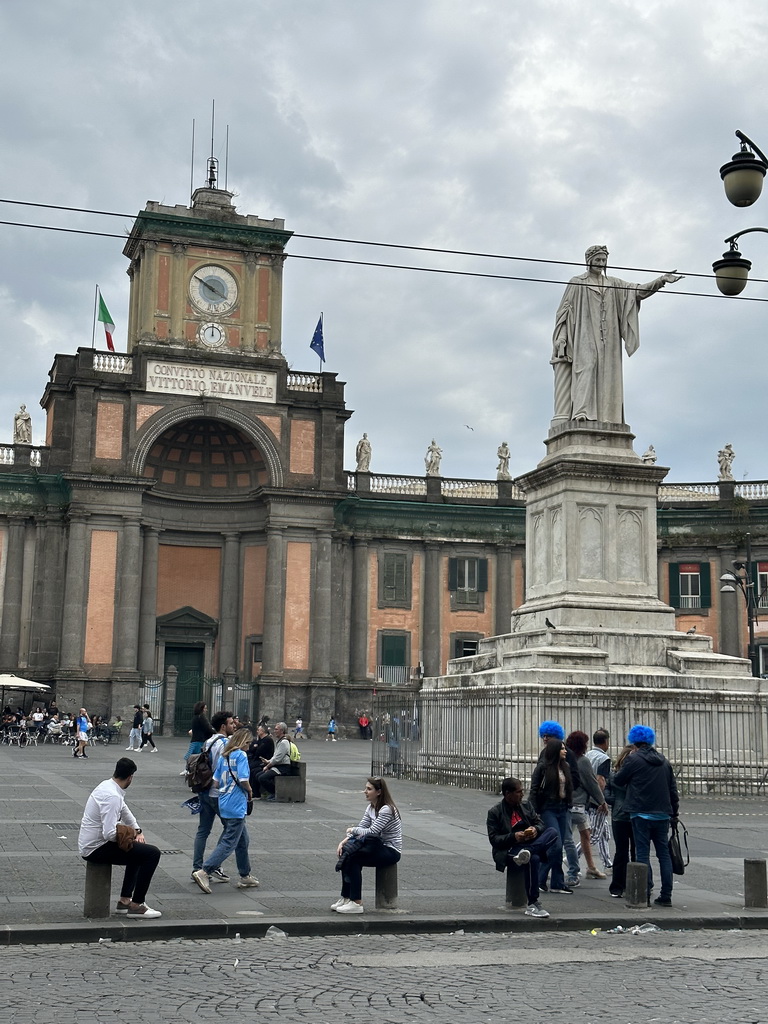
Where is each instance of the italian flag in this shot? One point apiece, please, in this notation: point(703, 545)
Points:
point(109, 324)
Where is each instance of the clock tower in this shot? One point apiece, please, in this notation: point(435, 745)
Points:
point(206, 278)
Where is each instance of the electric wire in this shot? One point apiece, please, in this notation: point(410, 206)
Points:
point(370, 263)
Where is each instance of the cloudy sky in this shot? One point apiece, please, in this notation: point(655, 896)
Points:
point(523, 130)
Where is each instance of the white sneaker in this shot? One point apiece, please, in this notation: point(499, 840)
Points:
point(183, 773)
point(350, 908)
point(129, 748)
point(522, 857)
point(201, 878)
point(154, 750)
point(143, 911)
point(248, 882)
point(339, 902)
point(536, 910)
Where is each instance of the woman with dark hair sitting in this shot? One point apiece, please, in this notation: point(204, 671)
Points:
point(550, 793)
point(376, 842)
point(587, 794)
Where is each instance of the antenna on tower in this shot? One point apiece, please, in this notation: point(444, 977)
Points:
point(226, 160)
point(192, 163)
point(212, 161)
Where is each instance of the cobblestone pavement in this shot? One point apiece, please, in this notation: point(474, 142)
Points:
point(675, 977)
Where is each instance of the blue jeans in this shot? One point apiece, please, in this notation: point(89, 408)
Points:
point(554, 817)
point(540, 848)
point(234, 836)
point(195, 746)
point(646, 831)
point(571, 855)
point(209, 812)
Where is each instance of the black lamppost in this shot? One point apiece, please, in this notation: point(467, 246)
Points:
point(743, 577)
point(743, 180)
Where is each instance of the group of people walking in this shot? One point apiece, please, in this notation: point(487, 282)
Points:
point(571, 786)
point(142, 728)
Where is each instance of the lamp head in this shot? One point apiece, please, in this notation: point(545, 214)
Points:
point(743, 177)
point(732, 272)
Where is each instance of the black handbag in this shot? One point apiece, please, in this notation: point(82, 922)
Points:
point(679, 864)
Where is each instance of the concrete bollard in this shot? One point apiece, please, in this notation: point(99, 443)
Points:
point(636, 891)
point(517, 894)
point(386, 887)
point(98, 889)
point(755, 884)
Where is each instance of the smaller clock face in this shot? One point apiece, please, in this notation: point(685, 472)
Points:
point(213, 290)
point(211, 335)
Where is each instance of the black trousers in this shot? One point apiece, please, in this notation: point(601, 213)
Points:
point(625, 851)
point(140, 864)
point(266, 780)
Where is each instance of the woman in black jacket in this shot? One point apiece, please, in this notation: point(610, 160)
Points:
point(200, 731)
point(621, 825)
point(551, 792)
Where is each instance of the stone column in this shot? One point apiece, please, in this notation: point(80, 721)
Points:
point(503, 604)
point(177, 290)
point(321, 609)
point(431, 642)
point(14, 578)
point(733, 612)
point(148, 608)
point(75, 589)
point(129, 600)
point(274, 601)
point(359, 614)
point(230, 603)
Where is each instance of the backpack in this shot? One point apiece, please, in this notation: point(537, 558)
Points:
point(295, 753)
point(200, 772)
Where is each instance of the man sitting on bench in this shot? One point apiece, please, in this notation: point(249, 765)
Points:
point(104, 811)
point(518, 837)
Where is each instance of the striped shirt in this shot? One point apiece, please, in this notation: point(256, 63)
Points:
point(386, 825)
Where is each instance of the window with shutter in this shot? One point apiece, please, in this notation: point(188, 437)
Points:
point(690, 585)
point(394, 580)
point(467, 581)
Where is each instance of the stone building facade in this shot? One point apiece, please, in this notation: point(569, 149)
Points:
point(189, 530)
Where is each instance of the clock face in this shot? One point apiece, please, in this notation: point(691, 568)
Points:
point(213, 290)
point(211, 335)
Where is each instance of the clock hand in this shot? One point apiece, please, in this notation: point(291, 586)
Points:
point(213, 287)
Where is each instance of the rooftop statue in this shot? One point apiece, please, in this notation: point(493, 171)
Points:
point(363, 454)
point(597, 313)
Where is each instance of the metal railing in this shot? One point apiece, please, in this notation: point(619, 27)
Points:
point(393, 675)
point(717, 743)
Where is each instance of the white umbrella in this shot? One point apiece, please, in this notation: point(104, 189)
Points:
point(8, 681)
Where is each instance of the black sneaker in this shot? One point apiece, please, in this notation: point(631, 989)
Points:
point(616, 895)
point(543, 887)
point(662, 901)
point(561, 890)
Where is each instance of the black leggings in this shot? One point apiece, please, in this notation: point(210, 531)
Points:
point(140, 864)
point(352, 871)
point(146, 737)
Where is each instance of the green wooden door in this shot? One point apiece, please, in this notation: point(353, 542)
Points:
point(189, 685)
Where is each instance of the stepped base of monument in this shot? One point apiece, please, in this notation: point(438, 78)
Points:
point(591, 656)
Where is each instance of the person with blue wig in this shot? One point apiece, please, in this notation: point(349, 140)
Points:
point(652, 801)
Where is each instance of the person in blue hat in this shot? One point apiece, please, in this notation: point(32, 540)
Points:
point(652, 802)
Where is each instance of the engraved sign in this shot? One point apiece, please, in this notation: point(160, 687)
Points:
point(211, 381)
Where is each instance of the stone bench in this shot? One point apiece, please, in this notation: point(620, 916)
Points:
point(517, 893)
point(292, 788)
point(98, 890)
point(386, 887)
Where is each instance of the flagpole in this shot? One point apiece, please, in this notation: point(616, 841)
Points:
point(322, 334)
point(95, 307)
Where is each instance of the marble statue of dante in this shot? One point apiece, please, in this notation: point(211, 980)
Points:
point(725, 459)
point(432, 459)
point(363, 454)
point(503, 453)
point(22, 427)
point(597, 313)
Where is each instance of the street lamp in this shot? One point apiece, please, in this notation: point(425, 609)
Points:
point(743, 180)
point(744, 580)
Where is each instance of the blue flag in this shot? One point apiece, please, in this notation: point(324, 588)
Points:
point(317, 344)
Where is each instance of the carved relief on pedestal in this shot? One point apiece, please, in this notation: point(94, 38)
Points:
point(591, 543)
point(538, 560)
point(631, 559)
point(557, 544)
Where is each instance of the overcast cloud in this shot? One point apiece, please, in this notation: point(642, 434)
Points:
point(521, 129)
